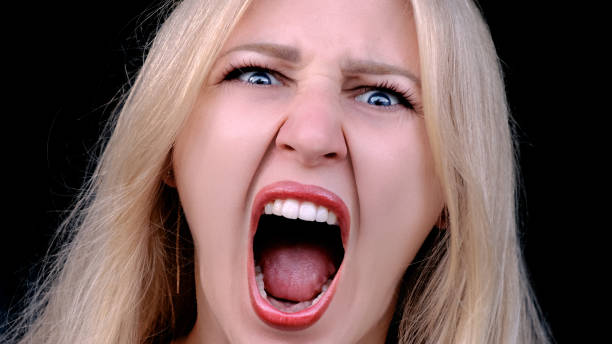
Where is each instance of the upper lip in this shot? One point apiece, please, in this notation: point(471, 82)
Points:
point(302, 192)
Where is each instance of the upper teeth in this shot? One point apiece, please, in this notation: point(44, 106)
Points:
point(307, 211)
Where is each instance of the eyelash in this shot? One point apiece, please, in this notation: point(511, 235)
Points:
point(406, 98)
point(232, 72)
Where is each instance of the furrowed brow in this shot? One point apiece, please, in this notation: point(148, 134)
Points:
point(283, 52)
point(378, 68)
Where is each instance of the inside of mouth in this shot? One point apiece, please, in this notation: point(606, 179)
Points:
point(295, 260)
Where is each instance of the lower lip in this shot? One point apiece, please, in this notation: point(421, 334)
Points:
point(269, 314)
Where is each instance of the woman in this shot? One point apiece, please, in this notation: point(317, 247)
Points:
point(337, 172)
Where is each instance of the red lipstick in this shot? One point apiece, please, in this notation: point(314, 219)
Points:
point(301, 192)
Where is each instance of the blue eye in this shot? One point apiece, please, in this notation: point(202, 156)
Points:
point(259, 77)
point(378, 98)
point(253, 75)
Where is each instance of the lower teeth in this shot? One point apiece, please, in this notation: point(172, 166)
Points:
point(260, 286)
point(260, 282)
point(323, 290)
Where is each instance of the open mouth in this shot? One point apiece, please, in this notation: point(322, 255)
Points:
point(298, 237)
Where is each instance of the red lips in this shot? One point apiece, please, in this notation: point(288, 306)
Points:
point(301, 192)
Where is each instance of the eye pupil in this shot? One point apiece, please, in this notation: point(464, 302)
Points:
point(379, 99)
point(259, 78)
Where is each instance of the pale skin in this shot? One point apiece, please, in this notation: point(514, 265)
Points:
point(319, 120)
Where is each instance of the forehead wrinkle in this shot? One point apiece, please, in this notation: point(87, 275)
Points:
point(377, 68)
point(280, 51)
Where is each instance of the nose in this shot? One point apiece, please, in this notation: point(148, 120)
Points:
point(312, 131)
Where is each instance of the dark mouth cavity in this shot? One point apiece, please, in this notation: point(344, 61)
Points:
point(277, 233)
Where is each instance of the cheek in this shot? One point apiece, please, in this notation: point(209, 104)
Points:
point(399, 194)
point(215, 157)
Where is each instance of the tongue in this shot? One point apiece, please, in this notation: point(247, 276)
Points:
point(296, 271)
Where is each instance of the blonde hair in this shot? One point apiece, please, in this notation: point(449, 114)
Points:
point(113, 280)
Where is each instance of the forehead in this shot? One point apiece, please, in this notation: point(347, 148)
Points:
point(362, 29)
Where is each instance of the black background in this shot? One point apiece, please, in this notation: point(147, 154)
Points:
point(67, 62)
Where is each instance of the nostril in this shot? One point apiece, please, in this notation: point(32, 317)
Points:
point(288, 147)
point(331, 155)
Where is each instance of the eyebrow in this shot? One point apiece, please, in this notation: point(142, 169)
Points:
point(377, 68)
point(291, 54)
point(279, 51)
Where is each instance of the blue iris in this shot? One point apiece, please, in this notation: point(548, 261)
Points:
point(378, 98)
point(258, 78)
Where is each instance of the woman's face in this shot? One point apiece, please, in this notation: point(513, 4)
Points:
point(312, 110)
